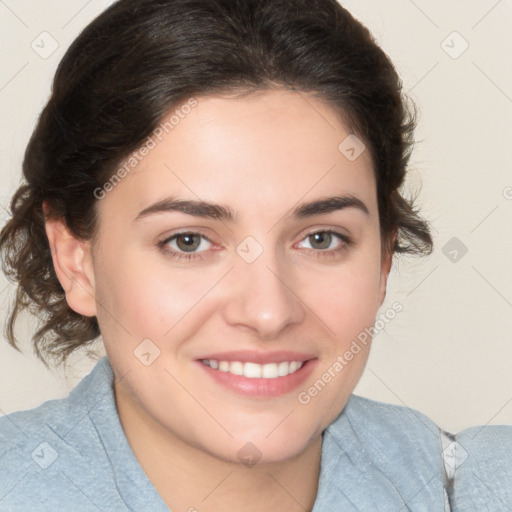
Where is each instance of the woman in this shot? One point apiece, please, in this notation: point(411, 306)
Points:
point(213, 187)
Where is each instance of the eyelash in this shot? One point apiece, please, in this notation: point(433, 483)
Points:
point(331, 253)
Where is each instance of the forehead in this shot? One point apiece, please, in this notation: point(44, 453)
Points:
point(254, 152)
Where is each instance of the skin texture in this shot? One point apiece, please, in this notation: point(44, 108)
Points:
point(262, 155)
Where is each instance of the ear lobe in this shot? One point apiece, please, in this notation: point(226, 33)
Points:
point(72, 261)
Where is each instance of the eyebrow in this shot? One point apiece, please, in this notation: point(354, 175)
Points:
point(216, 211)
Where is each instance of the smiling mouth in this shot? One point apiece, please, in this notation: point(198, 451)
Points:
point(255, 370)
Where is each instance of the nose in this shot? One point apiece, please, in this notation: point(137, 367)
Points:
point(262, 298)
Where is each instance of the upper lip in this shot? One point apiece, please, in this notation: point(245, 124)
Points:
point(249, 356)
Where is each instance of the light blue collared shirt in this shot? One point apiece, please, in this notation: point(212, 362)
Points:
point(72, 454)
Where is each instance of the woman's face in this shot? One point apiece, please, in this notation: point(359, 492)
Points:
point(245, 240)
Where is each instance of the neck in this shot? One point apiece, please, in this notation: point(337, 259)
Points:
point(189, 479)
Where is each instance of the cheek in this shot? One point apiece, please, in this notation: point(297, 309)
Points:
point(347, 303)
point(346, 299)
point(141, 298)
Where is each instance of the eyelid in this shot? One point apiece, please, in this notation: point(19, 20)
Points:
point(346, 242)
point(190, 232)
point(342, 233)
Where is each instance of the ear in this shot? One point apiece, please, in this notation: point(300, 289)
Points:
point(72, 260)
point(386, 260)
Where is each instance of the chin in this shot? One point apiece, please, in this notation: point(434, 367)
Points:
point(282, 444)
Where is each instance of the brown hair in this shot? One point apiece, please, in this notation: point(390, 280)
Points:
point(139, 59)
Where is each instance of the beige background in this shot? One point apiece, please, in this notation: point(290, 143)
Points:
point(449, 352)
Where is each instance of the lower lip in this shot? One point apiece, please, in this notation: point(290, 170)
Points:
point(261, 388)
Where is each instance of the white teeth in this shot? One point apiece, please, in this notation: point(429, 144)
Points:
point(284, 369)
point(252, 370)
point(255, 370)
point(236, 367)
point(270, 371)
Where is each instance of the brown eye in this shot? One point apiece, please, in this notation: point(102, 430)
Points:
point(186, 246)
point(321, 240)
point(326, 243)
point(188, 242)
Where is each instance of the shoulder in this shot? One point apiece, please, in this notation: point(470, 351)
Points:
point(57, 416)
point(481, 458)
point(386, 425)
point(21, 432)
point(394, 436)
point(404, 449)
point(73, 451)
point(45, 453)
point(394, 452)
